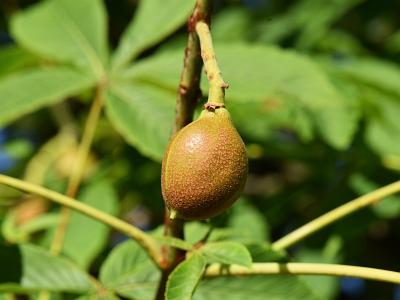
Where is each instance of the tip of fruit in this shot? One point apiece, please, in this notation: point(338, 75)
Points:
point(173, 214)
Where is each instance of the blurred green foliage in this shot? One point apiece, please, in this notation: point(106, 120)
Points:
point(314, 92)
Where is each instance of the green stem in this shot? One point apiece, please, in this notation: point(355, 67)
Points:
point(217, 86)
point(78, 168)
point(335, 215)
point(215, 270)
point(145, 240)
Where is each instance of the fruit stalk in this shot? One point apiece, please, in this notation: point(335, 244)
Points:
point(217, 86)
point(189, 93)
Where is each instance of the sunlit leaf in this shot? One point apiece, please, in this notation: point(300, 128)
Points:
point(68, 31)
point(183, 280)
point(228, 253)
point(29, 90)
point(85, 237)
point(129, 272)
point(143, 114)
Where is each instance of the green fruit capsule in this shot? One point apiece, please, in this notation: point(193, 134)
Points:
point(204, 169)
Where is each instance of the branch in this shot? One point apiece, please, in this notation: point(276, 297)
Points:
point(146, 241)
point(78, 168)
point(216, 270)
point(335, 215)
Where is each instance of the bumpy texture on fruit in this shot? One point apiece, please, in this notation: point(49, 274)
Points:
point(204, 168)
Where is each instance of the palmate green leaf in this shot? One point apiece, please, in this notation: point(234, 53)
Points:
point(67, 31)
point(42, 271)
point(278, 88)
point(31, 89)
point(227, 253)
point(85, 237)
point(183, 280)
point(153, 21)
point(143, 114)
point(129, 272)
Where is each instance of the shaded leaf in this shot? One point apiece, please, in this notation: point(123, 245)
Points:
point(259, 287)
point(195, 231)
point(388, 207)
point(153, 21)
point(228, 253)
point(29, 90)
point(13, 58)
point(10, 262)
point(143, 114)
point(183, 280)
point(256, 287)
point(246, 218)
point(262, 252)
point(328, 286)
point(376, 73)
point(103, 294)
point(129, 272)
point(231, 24)
point(383, 128)
point(86, 237)
point(40, 270)
point(68, 31)
point(174, 242)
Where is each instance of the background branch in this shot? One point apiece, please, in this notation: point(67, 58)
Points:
point(215, 270)
point(334, 215)
point(145, 240)
point(78, 168)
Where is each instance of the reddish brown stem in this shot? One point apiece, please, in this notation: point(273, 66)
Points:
point(189, 93)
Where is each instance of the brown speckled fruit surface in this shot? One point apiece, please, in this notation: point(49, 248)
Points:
point(204, 167)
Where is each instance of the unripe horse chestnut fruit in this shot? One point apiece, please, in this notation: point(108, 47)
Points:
point(205, 165)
